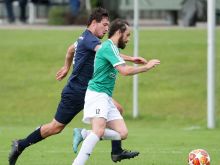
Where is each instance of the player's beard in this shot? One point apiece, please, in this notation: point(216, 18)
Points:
point(121, 43)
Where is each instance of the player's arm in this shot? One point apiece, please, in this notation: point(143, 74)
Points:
point(62, 72)
point(136, 60)
point(97, 47)
point(127, 70)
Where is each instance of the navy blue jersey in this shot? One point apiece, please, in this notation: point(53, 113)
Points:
point(73, 94)
point(83, 61)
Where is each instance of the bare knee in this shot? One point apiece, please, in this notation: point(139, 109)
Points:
point(51, 128)
point(120, 127)
point(98, 126)
point(56, 129)
point(123, 134)
point(99, 132)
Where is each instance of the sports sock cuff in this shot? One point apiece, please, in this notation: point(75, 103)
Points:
point(32, 138)
point(94, 136)
point(84, 133)
point(116, 146)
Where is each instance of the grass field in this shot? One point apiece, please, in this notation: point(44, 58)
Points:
point(172, 97)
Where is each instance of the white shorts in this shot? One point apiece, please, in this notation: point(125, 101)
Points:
point(99, 105)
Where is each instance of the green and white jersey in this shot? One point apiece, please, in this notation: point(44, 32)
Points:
point(104, 76)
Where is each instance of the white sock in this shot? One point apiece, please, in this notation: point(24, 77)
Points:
point(85, 133)
point(109, 134)
point(86, 149)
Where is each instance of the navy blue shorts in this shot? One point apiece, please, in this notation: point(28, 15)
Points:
point(70, 105)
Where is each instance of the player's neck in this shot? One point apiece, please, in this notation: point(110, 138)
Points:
point(91, 29)
point(114, 39)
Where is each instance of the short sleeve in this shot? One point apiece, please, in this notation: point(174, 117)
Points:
point(113, 56)
point(75, 44)
point(91, 43)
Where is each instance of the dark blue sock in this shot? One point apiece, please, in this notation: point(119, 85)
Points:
point(32, 138)
point(116, 146)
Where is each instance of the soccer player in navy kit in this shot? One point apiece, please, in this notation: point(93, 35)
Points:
point(73, 94)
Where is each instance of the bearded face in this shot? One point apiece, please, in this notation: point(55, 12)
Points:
point(121, 42)
point(124, 38)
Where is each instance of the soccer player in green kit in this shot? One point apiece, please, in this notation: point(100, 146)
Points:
point(99, 109)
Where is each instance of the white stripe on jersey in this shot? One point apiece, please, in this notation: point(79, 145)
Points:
point(75, 45)
point(116, 52)
point(119, 63)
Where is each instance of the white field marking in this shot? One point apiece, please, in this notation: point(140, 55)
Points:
point(194, 127)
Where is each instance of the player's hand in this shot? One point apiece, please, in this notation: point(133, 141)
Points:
point(62, 73)
point(139, 60)
point(152, 63)
point(118, 106)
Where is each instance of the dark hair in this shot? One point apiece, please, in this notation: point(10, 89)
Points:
point(97, 15)
point(117, 24)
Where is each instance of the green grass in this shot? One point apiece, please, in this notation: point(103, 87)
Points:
point(172, 97)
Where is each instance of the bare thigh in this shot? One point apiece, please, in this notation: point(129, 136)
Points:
point(119, 126)
point(98, 126)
